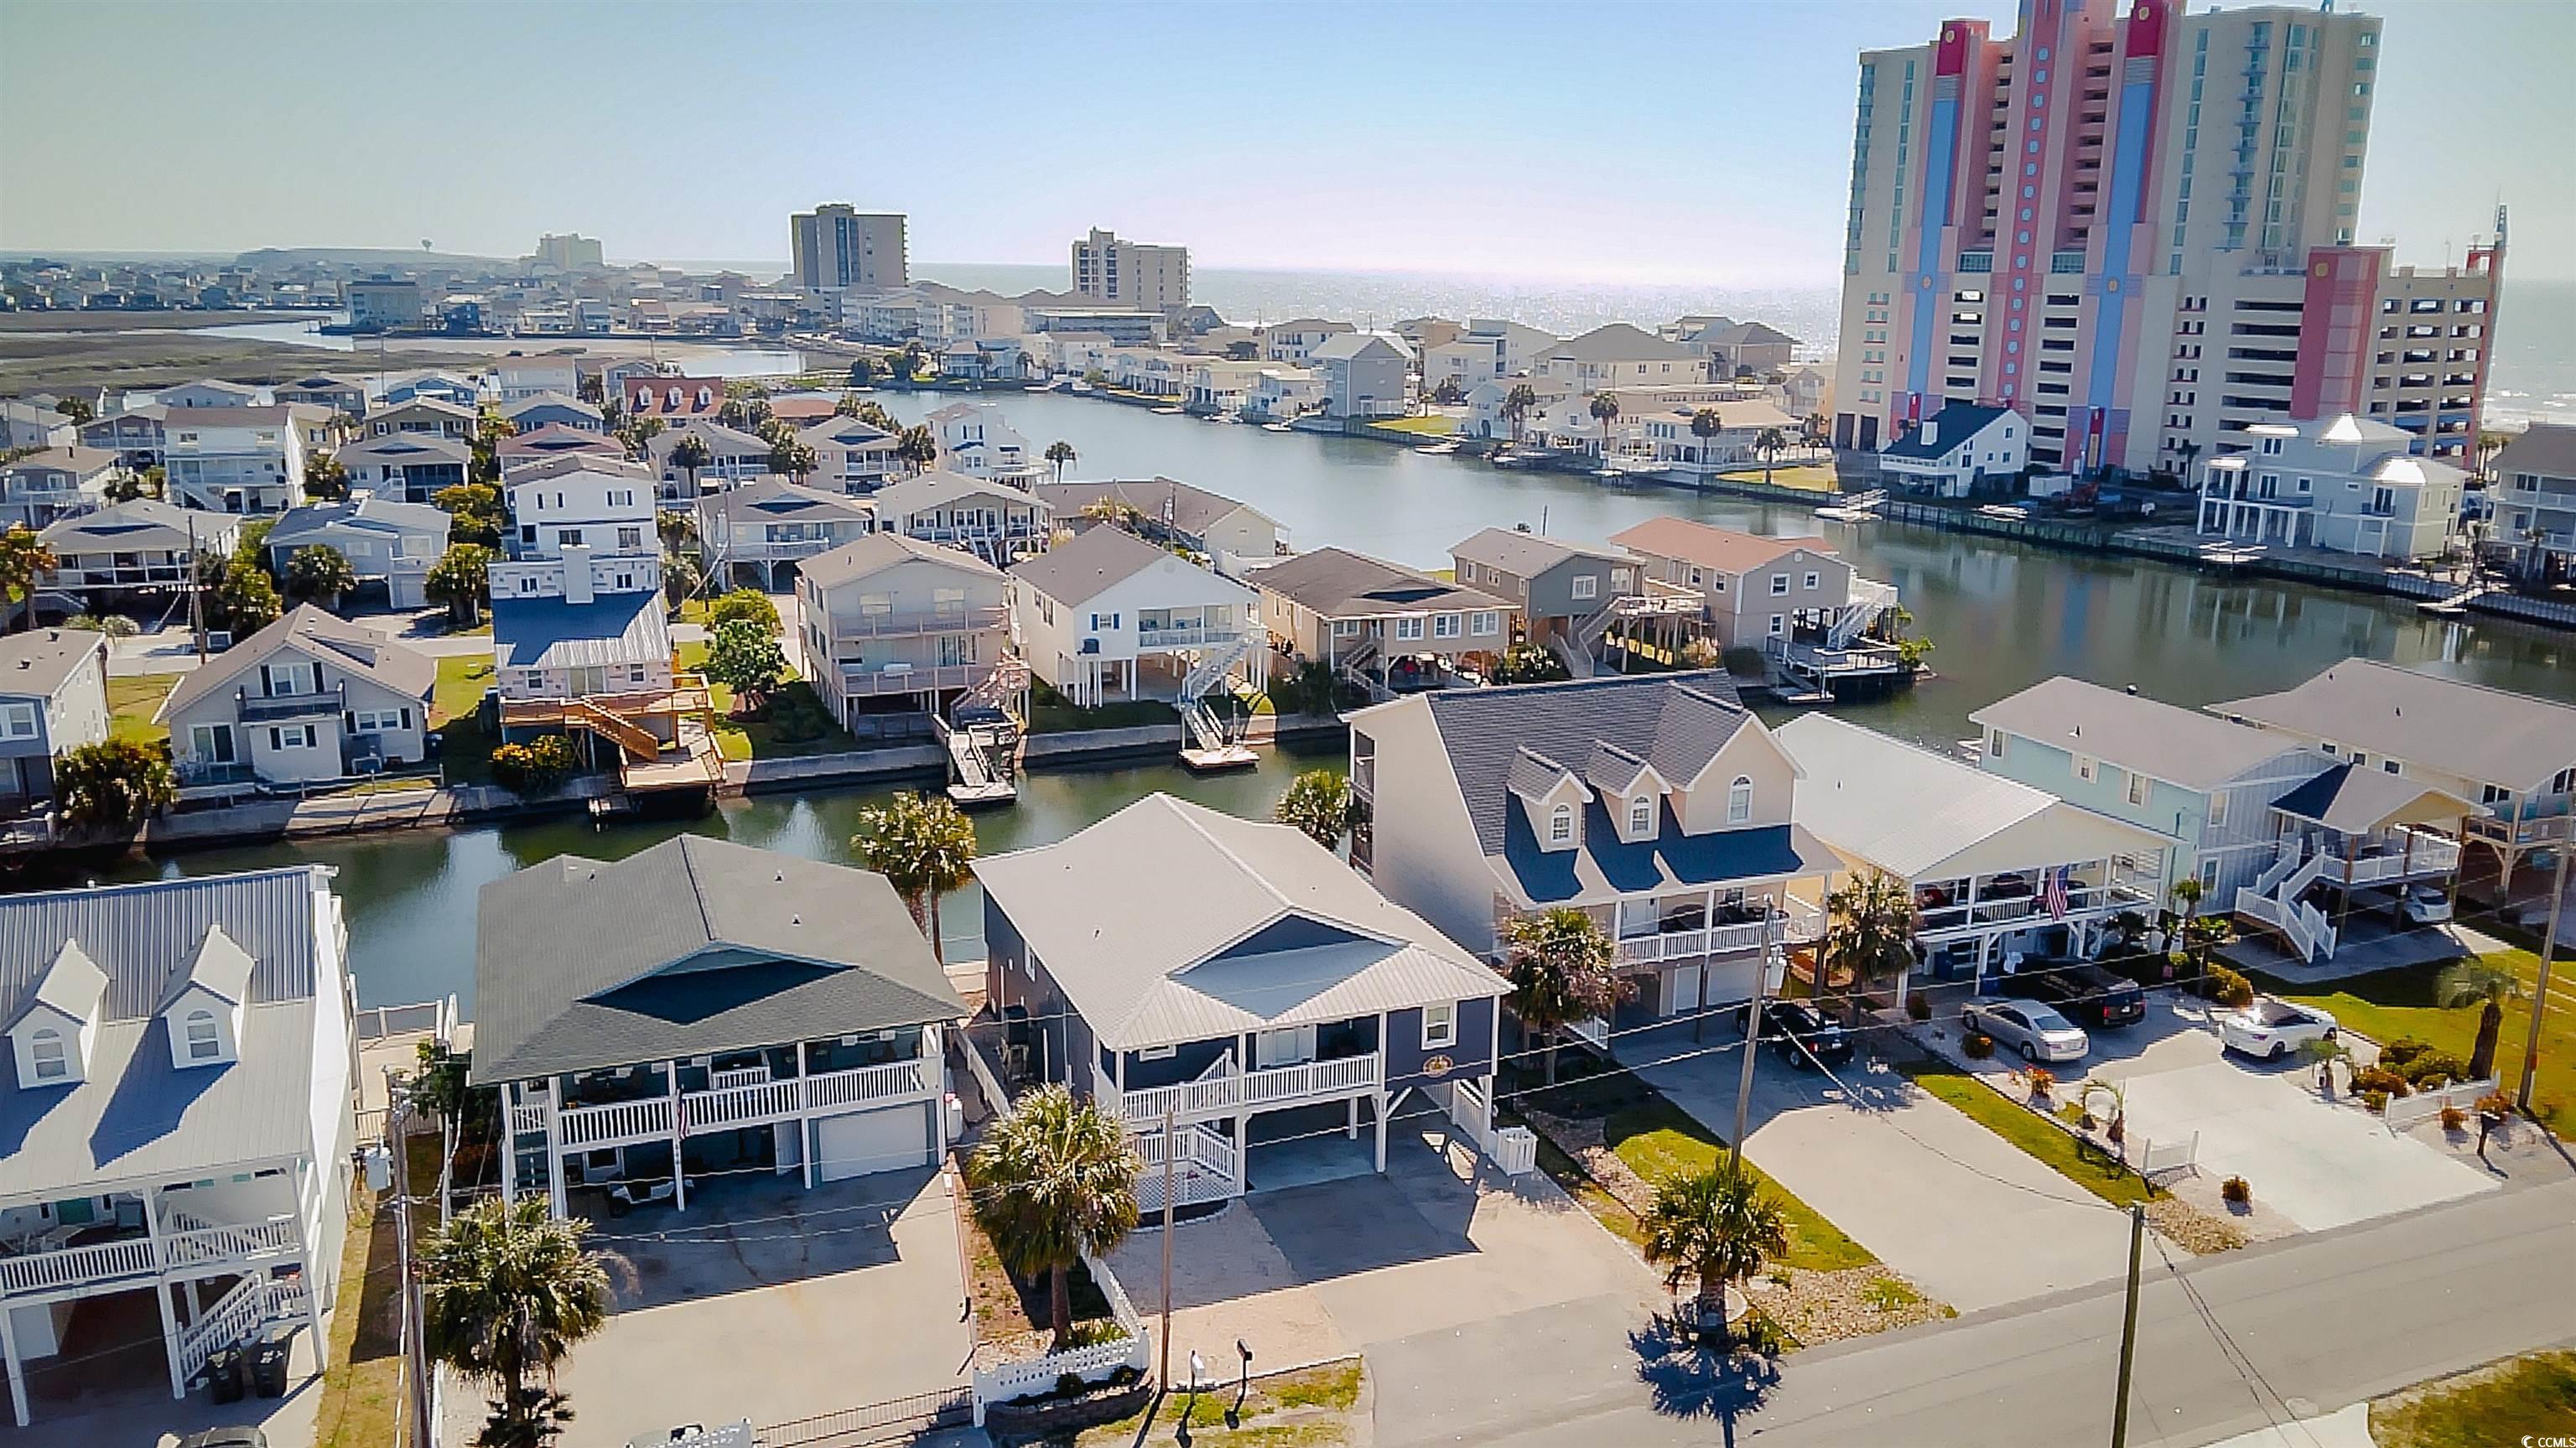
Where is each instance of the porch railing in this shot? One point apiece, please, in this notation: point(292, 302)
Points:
point(1246, 1090)
point(73, 1266)
point(748, 1104)
point(211, 1245)
point(1680, 944)
point(2505, 831)
point(2429, 855)
point(1203, 1166)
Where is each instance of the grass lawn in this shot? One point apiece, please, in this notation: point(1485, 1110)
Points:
point(2517, 1402)
point(1062, 718)
point(1815, 477)
point(130, 702)
point(756, 738)
point(463, 680)
point(1427, 425)
point(2088, 1169)
point(1308, 1408)
point(362, 1389)
point(2387, 1004)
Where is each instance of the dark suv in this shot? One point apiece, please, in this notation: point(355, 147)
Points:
point(1803, 1036)
point(2086, 994)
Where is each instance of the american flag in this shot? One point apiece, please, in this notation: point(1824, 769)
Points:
point(2054, 894)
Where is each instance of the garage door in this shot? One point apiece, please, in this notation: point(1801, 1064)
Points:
point(866, 1141)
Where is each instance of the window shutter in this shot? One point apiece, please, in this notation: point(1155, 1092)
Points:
point(406, 716)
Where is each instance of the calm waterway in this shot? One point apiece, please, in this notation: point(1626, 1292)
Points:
point(2002, 616)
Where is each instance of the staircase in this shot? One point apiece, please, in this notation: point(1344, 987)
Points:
point(2273, 901)
point(1215, 739)
point(1870, 600)
point(985, 753)
point(1577, 658)
point(1354, 666)
point(634, 738)
point(235, 1318)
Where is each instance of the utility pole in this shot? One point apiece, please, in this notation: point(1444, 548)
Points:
point(1163, 1374)
point(1752, 1035)
point(2540, 993)
point(2129, 1326)
point(196, 591)
point(415, 1358)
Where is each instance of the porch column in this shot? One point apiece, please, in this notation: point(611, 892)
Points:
point(1351, 1131)
point(196, 1304)
point(312, 1285)
point(2459, 863)
point(1381, 1099)
point(1984, 943)
point(1242, 1151)
point(807, 1139)
point(161, 1292)
point(2343, 902)
point(2405, 870)
point(509, 1143)
point(17, 1374)
point(554, 1148)
point(679, 1134)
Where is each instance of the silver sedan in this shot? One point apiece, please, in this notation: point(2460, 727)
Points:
point(2035, 1030)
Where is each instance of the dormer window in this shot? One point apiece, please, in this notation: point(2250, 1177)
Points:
point(204, 1044)
point(1641, 816)
point(46, 1050)
point(1739, 801)
point(1560, 825)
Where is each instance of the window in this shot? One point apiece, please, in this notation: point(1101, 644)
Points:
point(2085, 768)
point(1346, 628)
point(1445, 626)
point(46, 1046)
point(2564, 781)
point(1104, 620)
point(1641, 815)
point(1739, 801)
point(1408, 628)
point(2494, 794)
point(2137, 788)
point(1779, 624)
point(1779, 584)
point(293, 736)
point(1587, 585)
point(202, 1043)
point(1485, 622)
point(17, 721)
point(2209, 875)
point(1157, 1053)
point(1815, 580)
point(2217, 810)
point(629, 539)
point(1439, 1025)
point(1560, 825)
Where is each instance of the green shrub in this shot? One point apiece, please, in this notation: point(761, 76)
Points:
point(541, 763)
point(2228, 987)
point(749, 605)
point(2380, 1078)
point(2235, 1190)
point(2375, 1101)
point(2432, 1070)
point(2402, 1050)
point(1760, 1334)
point(1977, 1045)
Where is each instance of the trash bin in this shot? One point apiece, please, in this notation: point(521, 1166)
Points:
point(224, 1375)
point(268, 1365)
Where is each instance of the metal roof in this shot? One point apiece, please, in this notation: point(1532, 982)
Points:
point(553, 633)
point(2459, 728)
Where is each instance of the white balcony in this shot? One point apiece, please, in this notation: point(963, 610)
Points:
point(741, 1098)
point(77, 1266)
point(1685, 944)
point(1246, 1091)
point(192, 1248)
point(2395, 859)
point(2502, 829)
point(935, 621)
point(859, 683)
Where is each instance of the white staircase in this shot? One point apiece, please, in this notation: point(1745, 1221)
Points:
point(985, 754)
point(1577, 658)
point(1354, 667)
point(1207, 732)
point(2273, 900)
point(1870, 600)
point(235, 1318)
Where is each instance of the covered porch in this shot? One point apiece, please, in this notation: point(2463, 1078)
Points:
point(1978, 927)
point(2354, 836)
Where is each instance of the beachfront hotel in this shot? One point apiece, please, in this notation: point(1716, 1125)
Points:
point(2136, 227)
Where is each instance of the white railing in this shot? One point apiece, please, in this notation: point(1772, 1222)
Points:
point(2404, 1111)
point(437, 1018)
point(747, 1104)
point(923, 679)
point(73, 1266)
point(1592, 1031)
point(2428, 855)
point(1203, 1167)
point(1677, 944)
point(740, 1076)
point(953, 620)
point(867, 1083)
point(1247, 1090)
point(622, 1121)
point(1869, 599)
point(1189, 636)
point(1806, 922)
point(1039, 1375)
point(740, 1105)
point(2081, 900)
point(1516, 1150)
point(2304, 926)
point(254, 1303)
point(2292, 855)
point(2525, 832)
point(528, 1117)
point(202, 1246)
point(2158, 1157)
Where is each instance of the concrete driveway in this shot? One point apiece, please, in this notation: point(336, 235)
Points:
point(769, 1302)
point(1973, 1218)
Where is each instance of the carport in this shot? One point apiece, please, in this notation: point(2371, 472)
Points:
point(2356, 833)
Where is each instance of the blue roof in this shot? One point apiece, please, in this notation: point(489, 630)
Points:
point(1953, 425)
point(1670, 861)
point(550, 633)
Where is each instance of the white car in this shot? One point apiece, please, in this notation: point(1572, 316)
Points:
point(2271, 1029)
point(2030, 1027)
point(2425, 904)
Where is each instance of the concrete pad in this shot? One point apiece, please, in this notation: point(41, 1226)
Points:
point(121, 1395)
point(1309, 1161)
point(769, 1302)
point(2321, 1164)
point(2347, 1428)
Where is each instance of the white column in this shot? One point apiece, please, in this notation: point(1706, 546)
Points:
point(161, 1293)
point(807, 1139)
point(313, 1289)
point(1351, 1129)
point(509, 1143)
point(554, 1148)
point(1381, 1131)
point(679, 1133)
point(17, 1374)
point(1984, 942)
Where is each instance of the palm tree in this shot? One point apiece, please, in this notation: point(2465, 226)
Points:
point(23, 560)
point(689, 454)
point(925, 847)
point(320, 572)
point(917, 448)
point(2476, 982)
point(1713, 1226)
point(1605, 410)
point(1869, 930)
point(1053, 1180)
point(1318, 803)
point(639, 436)
point(1562, 969)
point(1770, 442)
point(1705, 424)
point(1060, 452)
point(1516, 405)
point(509, 1292)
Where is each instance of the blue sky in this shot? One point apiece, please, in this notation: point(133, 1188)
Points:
point(1617, 142)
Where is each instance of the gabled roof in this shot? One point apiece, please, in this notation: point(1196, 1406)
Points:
point(693, 946)
point(1338, 583)
point(717, 437)
point(2545, 449)
point(1345, 345)
point(1526, 555)
point(773, 499)
point(1750, 334)
point(551, 398)
point(367, 513)
point(1276, 930)
point(72, 986)
point(2365, 801)
point(69, 459)
point(877, 552)
point(555, 633)
point(2469, 730)
point(317, 634)
point(840, 431)
point(141, 525)
point(568, 463)
point(220, 968)
point(269, 416)
point(1617, 342)
point(423, 402)
point(938, 488)
point(36, 663)
point(1708, 546)
point(1953, 426)
point(407, 447)
point(555, 438)
point(1089, 563)
point(2178, 746)
point(1188, 509)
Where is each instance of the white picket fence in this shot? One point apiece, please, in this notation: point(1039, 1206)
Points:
point(2158, 1157)
point(2403, 1112)
point(1091, 1364)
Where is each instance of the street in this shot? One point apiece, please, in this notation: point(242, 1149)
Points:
point(2316, 1324)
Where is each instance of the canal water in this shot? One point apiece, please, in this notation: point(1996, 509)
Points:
point(2001, 616)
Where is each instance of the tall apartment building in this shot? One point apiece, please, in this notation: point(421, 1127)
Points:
point(570, 251)
point(838, 248)
point(2135, 227)
point(1131, 273)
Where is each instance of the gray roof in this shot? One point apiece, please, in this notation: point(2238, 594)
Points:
point(37, 662)
point(693, 946)
point(938, 488)
point(1338, 583)
point(2178, 746)
point(135, 1116)
point(1276, 930)
point(313, 632)
point(550, 398)
point(1750, 334)
point(316, 522)
point(554, 633)
point(1185, 508)
point(1618, 342)
point(1526, 555)
point(2469, 730)
point(773, 499)
point(1087, 564)
point(841, 431)
point(862, 556)
point(65, 459)
point(407, 447)
point(141, 526)
point(425, 401)
point(2545, 449)
point(2365, 801)
point(1356, 344)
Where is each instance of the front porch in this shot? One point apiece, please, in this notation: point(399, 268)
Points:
point(1986, 924)
point(1691, 952)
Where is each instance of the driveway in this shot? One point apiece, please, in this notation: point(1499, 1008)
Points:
point(769, 1302)
point(1973, 1218)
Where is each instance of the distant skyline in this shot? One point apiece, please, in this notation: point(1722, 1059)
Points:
point(1625, 143)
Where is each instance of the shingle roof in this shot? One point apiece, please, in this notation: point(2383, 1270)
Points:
point(2178, 746)
point(939, 487)
point(839, 431)
point(862, 556)
point(555, 438)
point(2364, 801)
point(775, 499)
point(37, 662)
point(407, 447)
point(550, 398)
point(142, 525)
point(1276, 931)
point(552, 633)
point(71, 459)
point(365, 514)
point(2465, 729)
point(136, 1116)
point(1343, 345)
point(1525, 555)
point(1338, 583)
point(1952, 426)
point(1708, 546)
point(1087, 564)
point(571, 958)
point(1617, 342)
point(1751, 334)
point(2545, 449)
point(312, 631)
point(1189, 509)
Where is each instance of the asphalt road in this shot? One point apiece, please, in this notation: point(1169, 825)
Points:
point(2310, 1325)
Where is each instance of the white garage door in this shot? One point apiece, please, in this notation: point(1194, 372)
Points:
point(866, 1141)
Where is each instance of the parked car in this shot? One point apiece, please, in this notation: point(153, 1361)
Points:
point(244, 1436)
point(1803, 1035)
point(2425, 904)
point(2088, 993)
point(2031, 1027)
point(2272, 1028)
